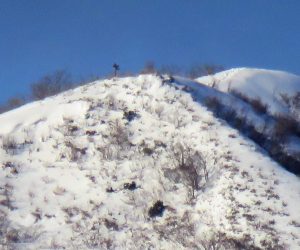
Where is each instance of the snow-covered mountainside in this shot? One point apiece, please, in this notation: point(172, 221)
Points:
point(264, 102)
point(139, 163)
point(273, 88)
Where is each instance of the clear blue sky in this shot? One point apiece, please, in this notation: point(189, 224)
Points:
point(86, 36)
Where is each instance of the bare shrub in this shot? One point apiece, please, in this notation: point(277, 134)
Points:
point(15, 102)
point(111, 102)
point(178, 229)
point(88, 79)
point(239, 95)
point(4, 225)
point(170, 70)
point(285, 125)
point(203, 70)
point(293, 103)
point(190, 166)
point(229, 115)
point(221, 241)
point(149, 68)
point(92, 234)
point(6, 201)
point(76, 153)
point(10, 236)
point(258, 106)
point(12, 103)
point(214, 104)
point(119, 134)
point(127, 74)
point(51, 84)
point(70, 127)
point(256, 103)
point(71, 211)
point(2, 108)
point(12, 166)
point(116, 142)
point(106, 151)
point(111, 224)
point(10, 145)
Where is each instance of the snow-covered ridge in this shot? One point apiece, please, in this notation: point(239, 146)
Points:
point(267, 85)
point(65, 160)
point(267, 102)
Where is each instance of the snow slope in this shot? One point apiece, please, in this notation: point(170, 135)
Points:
point(246, 91)
point(65, 160)
point(267, 85)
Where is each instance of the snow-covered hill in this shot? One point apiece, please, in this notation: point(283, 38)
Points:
point(264, 102)
point(86, 169)
point(273, 88)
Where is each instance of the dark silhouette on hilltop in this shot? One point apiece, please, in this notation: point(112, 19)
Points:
point(116, 68)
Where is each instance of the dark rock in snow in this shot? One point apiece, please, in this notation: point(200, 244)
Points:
point(130, 186)
point(157, 209)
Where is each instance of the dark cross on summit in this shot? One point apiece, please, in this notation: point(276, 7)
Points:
point(116, 67)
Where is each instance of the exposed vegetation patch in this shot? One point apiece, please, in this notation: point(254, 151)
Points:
point(284, 127)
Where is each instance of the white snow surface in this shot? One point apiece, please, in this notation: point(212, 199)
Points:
point(267, 85)
point(59, 156)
